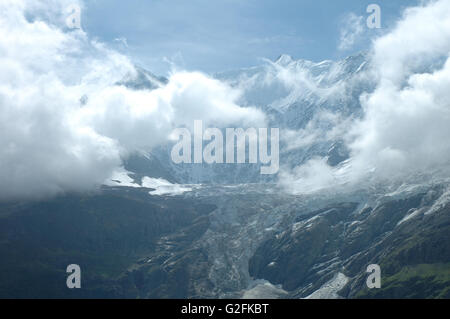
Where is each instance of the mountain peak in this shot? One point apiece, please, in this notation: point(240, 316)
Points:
point(284, 59)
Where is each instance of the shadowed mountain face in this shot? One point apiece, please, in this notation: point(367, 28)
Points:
point(236, 241)
point(346, 239)
point(106, 234)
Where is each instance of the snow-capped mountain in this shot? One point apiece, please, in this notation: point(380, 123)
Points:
point(295, 90)
point(298, 96)
point(143, 79)
point(231, 233)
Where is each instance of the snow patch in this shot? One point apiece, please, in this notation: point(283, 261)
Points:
point(410, 215)
point(160, 186)
point(164, 187)
point(330, 289)
point(121, 177)
point(262, 289)
point(440, 203)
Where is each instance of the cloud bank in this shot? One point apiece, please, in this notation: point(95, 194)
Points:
point(65, 123)
point(353, 27)
point(405, 128)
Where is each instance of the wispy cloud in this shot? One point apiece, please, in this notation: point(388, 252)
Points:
point(122, 41)
point(351, 31)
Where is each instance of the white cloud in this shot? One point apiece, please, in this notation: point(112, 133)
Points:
point(313, 176)
point(406, 123)
point(49, 141)
point(323, 127)
point(352, 28)
point(419, 38)
point(405, 128)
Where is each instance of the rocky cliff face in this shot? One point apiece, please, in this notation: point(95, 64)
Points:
point(235, 241)
point(403, 235)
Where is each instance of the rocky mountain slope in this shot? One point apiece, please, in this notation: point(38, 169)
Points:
point(233, 241)
point(230, 232)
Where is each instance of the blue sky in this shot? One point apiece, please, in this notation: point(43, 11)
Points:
point(219, 35)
